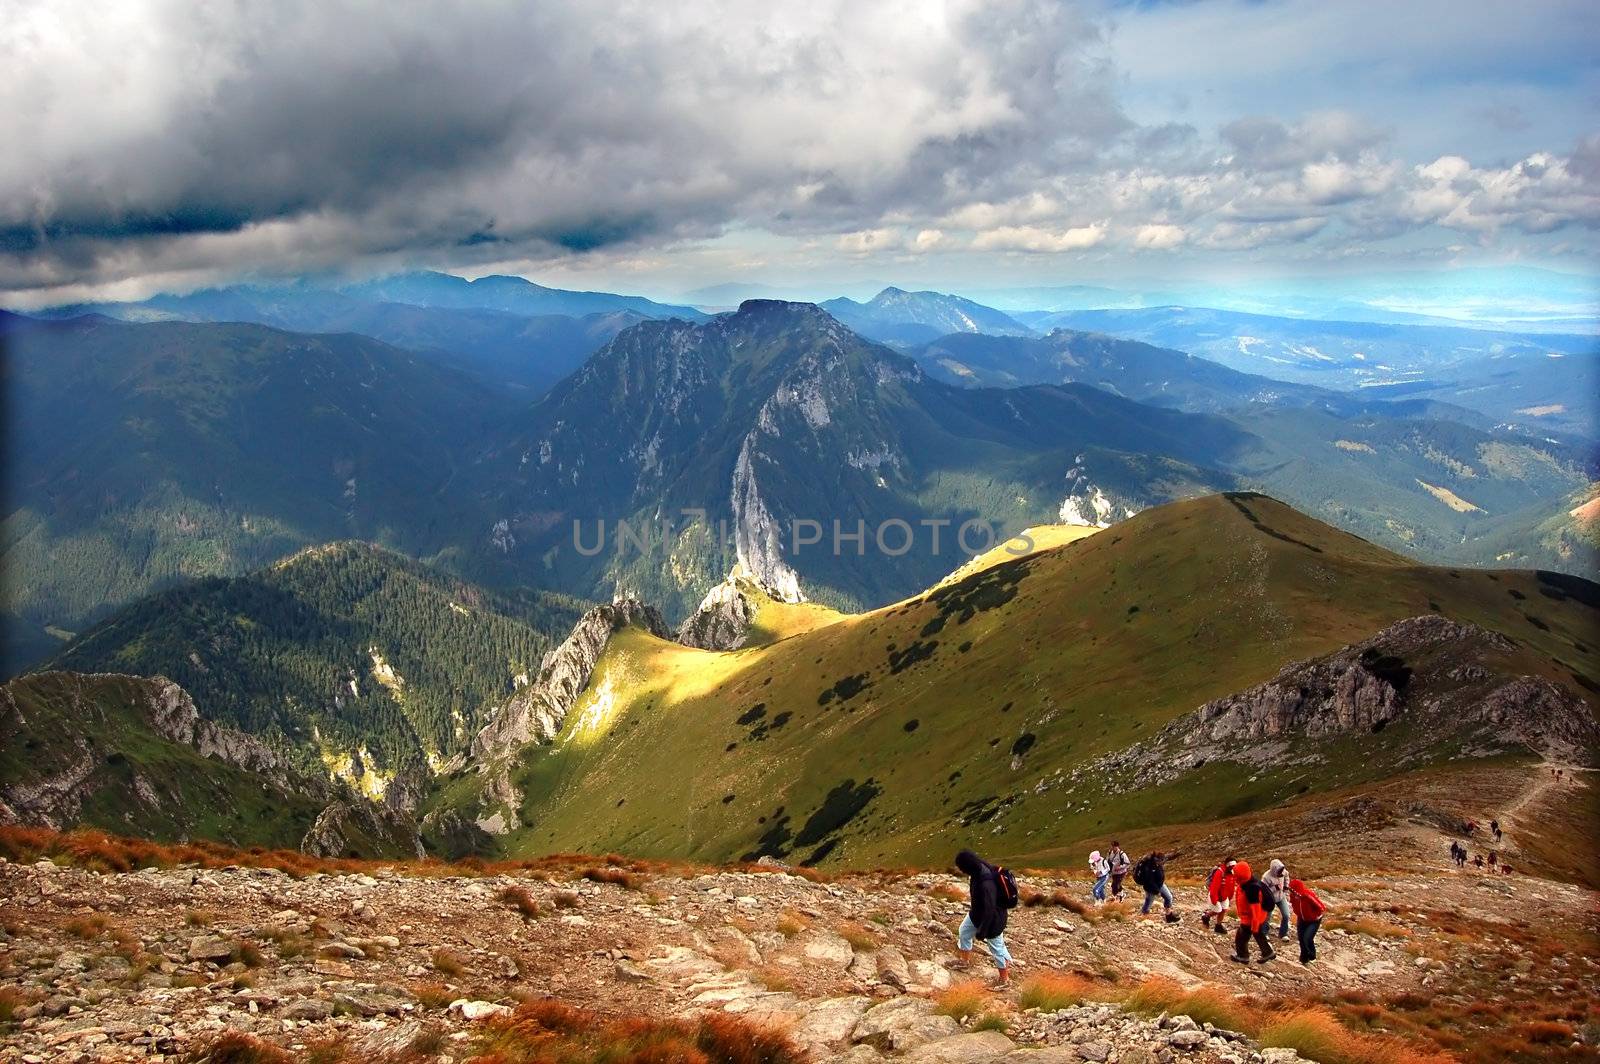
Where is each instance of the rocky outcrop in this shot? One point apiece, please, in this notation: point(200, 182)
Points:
point(354, 827)
point(722, 620)
point(538, 710)
point(724, 617)
point(1445, 682)
point(173, 715)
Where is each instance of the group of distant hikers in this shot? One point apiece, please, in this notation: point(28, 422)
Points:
point(1494, 865)
point(993, 893)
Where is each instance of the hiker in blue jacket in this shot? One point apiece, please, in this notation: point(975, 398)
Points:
point(986, 916)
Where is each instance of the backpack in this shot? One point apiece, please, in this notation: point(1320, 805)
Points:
point(1005, 887)
point(1143, 871)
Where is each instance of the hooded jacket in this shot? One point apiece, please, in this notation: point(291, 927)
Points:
point(1250, 897)
point(988, 919)
point(1277, 878)
point(1305, 903)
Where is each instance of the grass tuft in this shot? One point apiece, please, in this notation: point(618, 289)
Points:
point(858, 936)
point(237, 1048)
point(550, 1031)
point(963, 1001)
point(1054, 991)
point(519, 899)
point(448, 962)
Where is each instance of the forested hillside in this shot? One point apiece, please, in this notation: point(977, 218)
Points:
point(350, 659)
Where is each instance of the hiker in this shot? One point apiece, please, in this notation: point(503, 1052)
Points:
point(1308, 911)
point(986, 916)
point(1493, 858)
point(1100, 868)
point(1250, 903)
point(1219, 888)
point(1494, 826)
point(1119, 868)
point(1478, 860)
point(1151, 874)
point(1277, 881)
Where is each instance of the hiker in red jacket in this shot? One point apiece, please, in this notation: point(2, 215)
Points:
point(1250, 902)
point(1219, 888)
point(1308, 912)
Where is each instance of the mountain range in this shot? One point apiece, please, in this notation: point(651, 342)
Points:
point(1015, 700)
point(898, 317)
point(1538, 383)
point(154, 452)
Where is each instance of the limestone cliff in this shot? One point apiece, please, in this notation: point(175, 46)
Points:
point(1428, 682)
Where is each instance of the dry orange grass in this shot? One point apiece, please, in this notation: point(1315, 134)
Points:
point(1316, 1034)
point(1053, 991)
point(857, 935)
point(547, 1031)
point(519, 899)
point(963, 1001)
point(615, 876)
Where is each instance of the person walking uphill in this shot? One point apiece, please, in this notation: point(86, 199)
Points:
point(1100, 868)
point(1219, 889)
point(993, 893)
point(1277, 881)
point(1120, 864)
point(1151, 874)
point(1308, 913)
point(1250, 901)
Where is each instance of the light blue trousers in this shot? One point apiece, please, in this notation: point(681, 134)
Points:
point(996, 945)
point(1100, 887)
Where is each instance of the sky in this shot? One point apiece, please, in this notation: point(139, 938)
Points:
point(160, 145)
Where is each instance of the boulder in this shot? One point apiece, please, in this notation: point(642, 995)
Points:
point(967, 1048)
point(830, 1021)
point(903, 1023)
point(477, 1010)
point(828, 949)
point(210, 948)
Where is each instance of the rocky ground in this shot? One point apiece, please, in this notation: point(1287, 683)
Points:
point(146, 964)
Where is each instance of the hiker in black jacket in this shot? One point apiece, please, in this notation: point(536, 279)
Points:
point(986, 917)
point(1151, 874)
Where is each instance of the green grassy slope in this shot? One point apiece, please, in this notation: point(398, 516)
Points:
point(892, 736)
point(140, 783)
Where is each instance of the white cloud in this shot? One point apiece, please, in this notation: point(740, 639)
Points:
point(1036, 238)
point(1159, 236)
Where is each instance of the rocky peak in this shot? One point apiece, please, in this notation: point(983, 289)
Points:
point(538, 710)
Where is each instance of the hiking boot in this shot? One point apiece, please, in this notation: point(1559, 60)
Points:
point(958, 965)
point(1205, 921)
point(1268, 956)
point(1219, 929)
point(1235, 958)
point(1172, 918)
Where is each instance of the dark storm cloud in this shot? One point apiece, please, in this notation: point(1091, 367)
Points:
point(170, 140)
point(557, 124)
